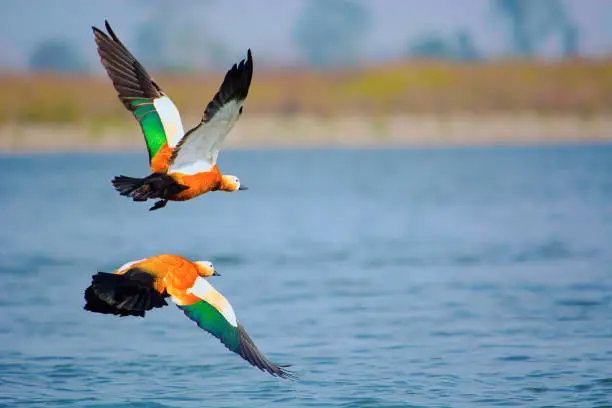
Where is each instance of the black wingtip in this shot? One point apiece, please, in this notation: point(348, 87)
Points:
point(101, 35)
point(110, 31)
point(250, 352)
point(249, 64)
point(97, 31)
point(129, 77)
point(286, 374)
point(235, 86)
point(240, 75)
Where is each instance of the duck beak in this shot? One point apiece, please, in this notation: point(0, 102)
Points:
point(215, 273)
point(243, 188)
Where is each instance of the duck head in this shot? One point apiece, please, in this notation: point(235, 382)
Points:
point(206, 269)
point(231, 183)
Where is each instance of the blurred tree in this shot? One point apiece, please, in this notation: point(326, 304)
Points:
point(331, 32)
point(56, 55)
point(519, 16)
point(433, 46)
point(466, 49)
point(570, 41)
point(531, 22)
point(150, 43)
point(175, 38)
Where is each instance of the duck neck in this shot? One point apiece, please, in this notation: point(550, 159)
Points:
point(226, 184)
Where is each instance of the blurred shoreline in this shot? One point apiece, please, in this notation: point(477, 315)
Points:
point(308, 131)
point(405, 103)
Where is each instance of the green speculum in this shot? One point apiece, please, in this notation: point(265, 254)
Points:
point(151, 125)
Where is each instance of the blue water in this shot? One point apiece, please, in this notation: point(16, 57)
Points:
point(387, 278)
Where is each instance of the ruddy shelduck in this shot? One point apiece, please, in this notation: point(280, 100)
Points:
point(183, 166)
point(143, 285)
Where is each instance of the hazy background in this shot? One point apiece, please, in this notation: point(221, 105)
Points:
point(335, 72)
point(213, 33)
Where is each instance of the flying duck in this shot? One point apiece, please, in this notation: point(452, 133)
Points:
point(143, 285)
point(183, 165)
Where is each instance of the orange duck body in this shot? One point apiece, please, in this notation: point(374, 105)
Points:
point(160, 162)
point(173, 274)
point(197, 184)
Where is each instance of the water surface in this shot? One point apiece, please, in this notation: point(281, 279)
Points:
point(387, 278)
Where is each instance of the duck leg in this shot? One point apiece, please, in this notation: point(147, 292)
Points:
point(158, 205)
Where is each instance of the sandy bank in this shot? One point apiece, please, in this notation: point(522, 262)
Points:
point(257, 131)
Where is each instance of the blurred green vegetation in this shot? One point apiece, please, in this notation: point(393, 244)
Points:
point(578, 87)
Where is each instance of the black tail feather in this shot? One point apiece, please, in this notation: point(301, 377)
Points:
point(130, 294)
point(126, 185)
point(94, 304)
point(156, 185)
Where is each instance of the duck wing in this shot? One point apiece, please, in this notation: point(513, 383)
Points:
point(159, 119)
point(199, 148)
point(213, 313)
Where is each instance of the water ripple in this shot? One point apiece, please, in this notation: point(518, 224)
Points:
point(481, 279)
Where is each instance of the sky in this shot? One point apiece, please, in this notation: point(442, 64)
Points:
point(266, 25)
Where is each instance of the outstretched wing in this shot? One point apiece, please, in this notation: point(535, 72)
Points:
point(198, 149)
point(214, 314)
point(157, 115)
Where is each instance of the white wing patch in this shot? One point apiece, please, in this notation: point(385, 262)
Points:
point(127, 266)
point(200, 150)
point(205, 291)
point(200, 166)
point(171, 120)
